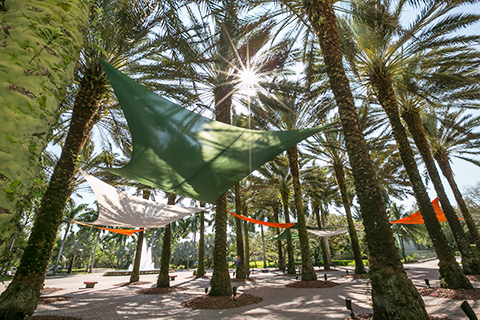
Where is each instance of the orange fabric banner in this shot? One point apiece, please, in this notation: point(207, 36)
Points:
point(269, 224)
point(416, 218)
point(127, 232)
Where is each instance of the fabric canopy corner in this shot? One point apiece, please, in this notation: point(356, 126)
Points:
point(120, 209)
point(416, 218)
point(179, 151)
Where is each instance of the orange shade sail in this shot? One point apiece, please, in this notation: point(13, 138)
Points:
point(269, 224)
point(127, 232)
point(416, 218)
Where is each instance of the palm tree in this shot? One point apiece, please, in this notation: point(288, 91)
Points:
point(135, 275)
point(276, 175)
point(386, 270)
point(201, 244)
point(330, 145)
point(378, 58)
point(163, 278)
point(116, 32)
point(37, 65)
point(240, 271)
point(454, 136)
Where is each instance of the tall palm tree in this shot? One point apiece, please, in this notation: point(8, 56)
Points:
point(454, 135)
point(163, 278)
point(117, 31)
point(37, 65)
point(201, 244)
point(389, 281)
point(240, 270)
point(379, 55)
point(330, 145)
point(276, 175)
point(135, 275)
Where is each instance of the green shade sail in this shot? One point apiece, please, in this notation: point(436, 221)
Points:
point(179, 151)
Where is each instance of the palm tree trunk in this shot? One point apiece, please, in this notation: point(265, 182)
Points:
point(451, 276)
point(163, 280)
point(135, 275)
point(281, 257)
point(247, 245)
point(323, 216)
point(240, 271)
point(444, 164)
point(470, 263)
point(308, 273)
point(36, 70)
point(265, 264)
point(291, 259)
point(323, 243)
point(220, 281)
point(357, 253)
point(60, 251)
point(72, 261)
point(31, 274)
point(393, 294)
point(201, 245)
point(94, 252)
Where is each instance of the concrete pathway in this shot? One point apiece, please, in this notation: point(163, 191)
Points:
point(107, 302)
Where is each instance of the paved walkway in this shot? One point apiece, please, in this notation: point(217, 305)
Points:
point(106, 302)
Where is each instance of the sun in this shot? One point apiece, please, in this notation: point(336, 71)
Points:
point(248, 78)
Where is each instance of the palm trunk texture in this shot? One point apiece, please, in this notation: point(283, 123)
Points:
point(323, 243)
point(201, 245)
point(281, 257)
point(291, 259)
point(247, 245)
point(135, 275)
point(444, 164)
point(393, 295)
point(308, 273)
point(470, 263)
point(163, 280)
point(220, 281)
point(357, 253)
point(451, 275)
point(240, 271)
point(22, 294)
point(36, 68)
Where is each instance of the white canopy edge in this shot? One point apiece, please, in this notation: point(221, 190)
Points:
point(328, 233)
point(120, 209)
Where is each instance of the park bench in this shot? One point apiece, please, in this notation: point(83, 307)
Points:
point(264, 270)
point(172, 277)
point(90, 284)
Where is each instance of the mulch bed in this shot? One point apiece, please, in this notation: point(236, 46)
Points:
point(161, 290)
point(52, 299)
point(207, 302)
point(456, 294)
point(356, 276)
point(312, 284)
point(475, 277)
point(50, 289)
point(369, 316)
point(51, 318)
point(126, 284)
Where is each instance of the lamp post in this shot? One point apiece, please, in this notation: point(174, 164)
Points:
point(468, 311)
point(427, 282)
point(325, 276)
point(348, 304)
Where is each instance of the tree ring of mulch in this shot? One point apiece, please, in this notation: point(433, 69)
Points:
point(226, 302)
point(52, 318)
point(356, 276)
point(369, 316)
point(136, 283)
point(50, 289)
point(161, 290)
point(475, 277)
point(51, 299)
point(312, 284)
point(455, 294)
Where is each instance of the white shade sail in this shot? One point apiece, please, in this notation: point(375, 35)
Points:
point(120, 209)
point(328, 233)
